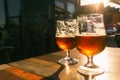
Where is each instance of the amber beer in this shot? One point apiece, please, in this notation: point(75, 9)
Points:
point(65, 43)
point(90, 45)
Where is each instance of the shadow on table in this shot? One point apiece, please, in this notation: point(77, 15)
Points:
point(55, 76)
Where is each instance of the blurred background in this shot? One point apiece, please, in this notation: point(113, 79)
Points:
point(27, 27)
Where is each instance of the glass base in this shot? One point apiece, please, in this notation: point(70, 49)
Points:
point(68, 60)
point(90, 71)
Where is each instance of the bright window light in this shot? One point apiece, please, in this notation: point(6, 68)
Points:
point(87, 2)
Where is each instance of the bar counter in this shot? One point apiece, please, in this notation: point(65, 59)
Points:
point(45, 67)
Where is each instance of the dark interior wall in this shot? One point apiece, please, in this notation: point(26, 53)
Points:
point(38, 24)
point(34, 33)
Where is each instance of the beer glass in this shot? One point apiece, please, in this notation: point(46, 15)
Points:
point(65, 39)
point(90, 40)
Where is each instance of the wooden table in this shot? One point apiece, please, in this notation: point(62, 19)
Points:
point(45, 67)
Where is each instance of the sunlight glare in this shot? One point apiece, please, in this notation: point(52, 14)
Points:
point(102, 59)
point(87, 2)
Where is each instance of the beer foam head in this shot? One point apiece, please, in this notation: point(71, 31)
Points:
point(65, 28)
point(90, 24)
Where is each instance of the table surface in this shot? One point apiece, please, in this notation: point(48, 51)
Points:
point(45, 67)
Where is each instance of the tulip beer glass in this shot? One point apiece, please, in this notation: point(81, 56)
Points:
point(90, 40)
point(65, 39)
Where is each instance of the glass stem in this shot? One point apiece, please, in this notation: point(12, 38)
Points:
point(90, 62)
point(90, 77)
point(68, 53)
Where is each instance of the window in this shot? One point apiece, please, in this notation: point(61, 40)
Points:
point(70, 7)
point(13, 7)
point(59, 4)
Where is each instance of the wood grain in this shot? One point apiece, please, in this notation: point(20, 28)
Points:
point(45, 67)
